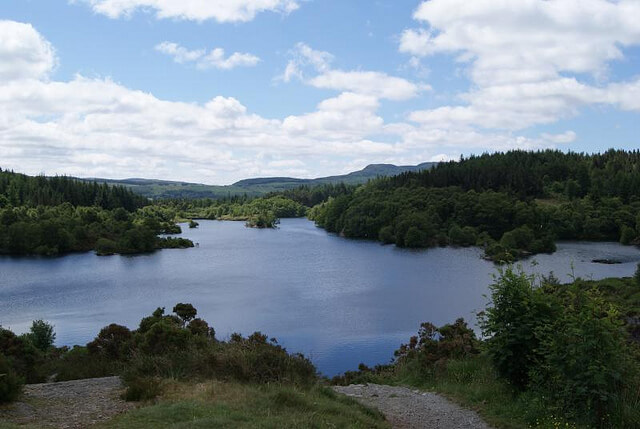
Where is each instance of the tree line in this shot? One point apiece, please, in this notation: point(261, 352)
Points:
point(512, 204)
point(22, 190)
point(56, 215)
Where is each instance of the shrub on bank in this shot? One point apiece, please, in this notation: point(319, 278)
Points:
point(10, 383)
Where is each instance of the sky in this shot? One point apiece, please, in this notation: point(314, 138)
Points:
point(214, 91)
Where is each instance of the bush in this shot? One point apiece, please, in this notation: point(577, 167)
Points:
point(105, 247)
point(10, 383)
point(142, 388)
point(415, 238)
point(25, 359)
point(513, 324)
point(42, 335)
point(78, 363)
point(200, 327)
point(186, 312)
point(586, 358)
point(434, 346)
point(113, 342)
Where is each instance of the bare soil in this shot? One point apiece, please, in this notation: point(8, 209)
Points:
point(408, 408)
point(67, 404)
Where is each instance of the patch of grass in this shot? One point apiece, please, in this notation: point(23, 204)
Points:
point(235, 405)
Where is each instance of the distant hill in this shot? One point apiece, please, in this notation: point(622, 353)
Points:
point(158, 189)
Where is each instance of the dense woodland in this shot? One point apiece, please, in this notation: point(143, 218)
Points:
point(22, 190)
point(512, 204)
point(57, 215)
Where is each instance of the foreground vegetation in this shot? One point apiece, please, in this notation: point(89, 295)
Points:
point(239, 405)
point(175, 362)
point(554, 355)
point(512, 204)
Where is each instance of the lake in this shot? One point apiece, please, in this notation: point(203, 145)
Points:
point(338, 301)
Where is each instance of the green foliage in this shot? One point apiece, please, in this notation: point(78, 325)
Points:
point(24, 358)
point(263, 220)
point(10, 383)
point(142, 388)
point(636, 276)
point(185, 311)
point(105, 247)
point(22, 190)
point(513, 204)
point(78, 362)
point(202, 328)
point(266, 210)
point(586, 363)
point(513, 324)
point(64, 228)
point(41, 335)
point(113, 342)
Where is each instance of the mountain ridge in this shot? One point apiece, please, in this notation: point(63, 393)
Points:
point(253, 187)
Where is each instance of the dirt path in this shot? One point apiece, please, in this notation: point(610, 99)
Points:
point(67, 404)
point(408, 408)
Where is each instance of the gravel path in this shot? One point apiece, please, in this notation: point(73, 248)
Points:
point(408, 408)
point(67, 404)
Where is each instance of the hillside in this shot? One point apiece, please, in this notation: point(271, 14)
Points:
point(512, 204)
point(160, 189)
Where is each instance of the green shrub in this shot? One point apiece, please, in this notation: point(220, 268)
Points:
point(41, 335)
point(586, 359)
point(200, 327)
point(514, 323)
point(112, 342)
point(163, 337)
point(186, 312)
point(434, 346)
point(105, 247)
point(25, 359)
point(78, 363)
point(142, 388)
point(10, 383)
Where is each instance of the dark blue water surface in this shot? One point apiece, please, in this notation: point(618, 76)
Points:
point(339, 301)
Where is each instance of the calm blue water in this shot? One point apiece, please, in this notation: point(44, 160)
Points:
point(339, 301)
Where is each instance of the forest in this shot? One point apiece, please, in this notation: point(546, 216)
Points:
point(511, 204)
point(57, 215)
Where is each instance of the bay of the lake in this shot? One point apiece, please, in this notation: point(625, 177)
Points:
point(338, 301)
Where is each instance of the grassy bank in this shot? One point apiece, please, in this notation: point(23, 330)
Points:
point(234, 405)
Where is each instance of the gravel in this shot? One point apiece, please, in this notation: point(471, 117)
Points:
point(409, 408)
point(67, 404)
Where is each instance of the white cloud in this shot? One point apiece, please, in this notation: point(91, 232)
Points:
point(348, 116)
point(24, 53)
point(180, 54)
point(526, 58)
point(194, 10)
point(378, 84)
point(303, 56)
point(97, 127)
point(203, 60)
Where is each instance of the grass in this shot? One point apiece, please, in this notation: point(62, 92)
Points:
point(235, 405)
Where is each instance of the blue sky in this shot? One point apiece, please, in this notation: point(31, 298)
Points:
point(217, 91)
